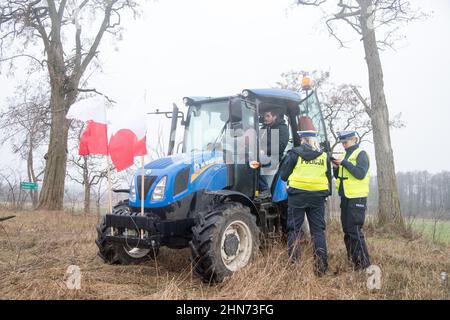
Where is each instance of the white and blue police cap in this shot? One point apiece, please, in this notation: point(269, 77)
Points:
point(346, 135)
point(307, 133)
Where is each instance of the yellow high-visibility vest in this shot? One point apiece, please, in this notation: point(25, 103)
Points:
point(353, 188)
point(310, 175)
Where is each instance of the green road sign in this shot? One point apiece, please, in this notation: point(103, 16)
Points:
point(28, 185)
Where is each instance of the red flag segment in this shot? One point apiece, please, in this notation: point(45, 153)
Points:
point(124, 146)
point(94, 139)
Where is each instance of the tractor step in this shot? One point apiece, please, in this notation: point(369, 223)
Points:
point(274, 235)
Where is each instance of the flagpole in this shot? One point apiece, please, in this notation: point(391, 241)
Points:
point(142, 191)
point(109, 190)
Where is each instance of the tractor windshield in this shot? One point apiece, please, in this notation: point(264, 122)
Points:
point(310, 107)
point(206, 125)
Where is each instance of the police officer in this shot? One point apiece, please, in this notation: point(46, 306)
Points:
point(308, 172)
point(352, 173)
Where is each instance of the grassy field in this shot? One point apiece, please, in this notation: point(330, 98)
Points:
point(441, 230)
point(37, 247)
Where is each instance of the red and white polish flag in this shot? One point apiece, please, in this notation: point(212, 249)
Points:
point(128, 137)
point(94, 139)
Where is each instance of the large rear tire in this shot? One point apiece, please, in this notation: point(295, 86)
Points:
point(225, 241)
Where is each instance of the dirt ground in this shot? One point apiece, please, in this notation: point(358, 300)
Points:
point(36, 249)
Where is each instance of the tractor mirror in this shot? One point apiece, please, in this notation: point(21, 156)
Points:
point(235, 110)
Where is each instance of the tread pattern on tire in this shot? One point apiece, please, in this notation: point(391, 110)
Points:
point(105, 248)
point(207, 263)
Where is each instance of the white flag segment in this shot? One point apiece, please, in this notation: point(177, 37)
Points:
point(130, 118)
point(89, 109)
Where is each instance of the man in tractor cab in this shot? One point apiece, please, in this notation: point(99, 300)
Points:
point(273, 121)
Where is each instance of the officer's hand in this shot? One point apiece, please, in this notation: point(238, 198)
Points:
point(337, 163)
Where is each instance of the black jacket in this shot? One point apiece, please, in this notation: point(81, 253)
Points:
point(266, 137)
point(359, 171)
point(306, 152)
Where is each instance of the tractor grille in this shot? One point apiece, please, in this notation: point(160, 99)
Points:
point(181, 181)
point(148, 181)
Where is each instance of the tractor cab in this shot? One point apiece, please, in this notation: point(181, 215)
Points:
point(234, 128)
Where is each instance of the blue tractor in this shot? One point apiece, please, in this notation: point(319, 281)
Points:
point(207, 196)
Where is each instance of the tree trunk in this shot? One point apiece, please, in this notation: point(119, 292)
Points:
point(87, 198)
point(63, 95)
point(389, 212)
point(98, 206)
point(52, 193)
point(31, 175)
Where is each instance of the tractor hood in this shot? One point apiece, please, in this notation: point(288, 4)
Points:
point(183, 174)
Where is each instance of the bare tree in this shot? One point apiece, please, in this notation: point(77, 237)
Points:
point(48, 26)
point(342, 111)
point(159, 150)
point(425, 194)
point(72, 199)
point(369, 18)
point(88, 175)
point(100, 191)
point(25, 125)
point(438, 216)
point(13, 197)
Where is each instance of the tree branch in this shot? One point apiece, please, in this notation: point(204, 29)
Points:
point(97, 92)
point(94, 47)
point(24, 55)
point(366, 105)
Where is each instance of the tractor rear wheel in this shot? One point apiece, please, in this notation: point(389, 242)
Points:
point(225, 241)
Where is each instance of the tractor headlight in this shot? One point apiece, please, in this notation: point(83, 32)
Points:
point(158, 192)
point(132, 190)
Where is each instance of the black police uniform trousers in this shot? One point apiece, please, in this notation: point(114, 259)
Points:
point(314, 208)
point(353, 213)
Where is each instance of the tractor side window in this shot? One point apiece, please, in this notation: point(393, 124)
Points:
point(248, 115)
point(290, 144)
point(249, 120)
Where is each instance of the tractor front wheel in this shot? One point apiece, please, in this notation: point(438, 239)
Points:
point(116, 253)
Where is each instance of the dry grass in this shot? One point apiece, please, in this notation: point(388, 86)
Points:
point(37, 247)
